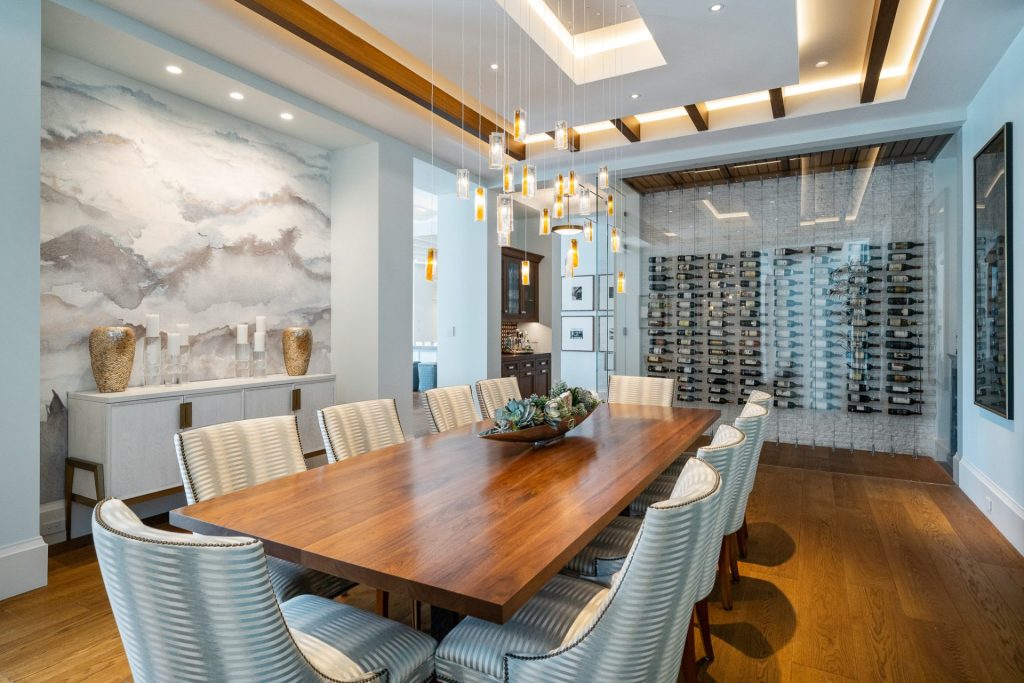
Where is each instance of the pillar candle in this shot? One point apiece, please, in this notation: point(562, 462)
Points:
point(259, 340)
point(173, 343)
point(152, 325)
point(183, 331)
point(243, 334)
point(261, 323)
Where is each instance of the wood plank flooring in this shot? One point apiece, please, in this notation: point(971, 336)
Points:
point(849, 577)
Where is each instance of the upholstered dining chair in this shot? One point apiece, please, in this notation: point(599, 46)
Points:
point(652, 391)
point(764, 400)
point(352, 429)
point(495, 393)
point(202, 608)
point(604, 555)
point(450, 407)
point(229, 457)
point(575, 630)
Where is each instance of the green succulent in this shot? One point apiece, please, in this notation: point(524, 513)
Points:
point(551, 409)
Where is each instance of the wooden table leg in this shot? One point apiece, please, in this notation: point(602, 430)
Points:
point(442, 621)
point(382, 603)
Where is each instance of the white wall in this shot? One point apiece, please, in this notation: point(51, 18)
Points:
point(22, 550)
point(992, 465)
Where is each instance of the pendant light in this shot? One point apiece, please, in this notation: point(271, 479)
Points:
point(529, 180)
point(569, 270)
point(545, 222)
point(574, 250)
point(588, 230)
point(431, 263)
point(526, 272)
point(611, 205)
point(505, 223)
point(496, 150)
point(561, 135)
point(519, 125)
point(504, 239)
point(559, 186)
point(508, 183)
point(571, 189)
point(479, 205)
point(559, 211)
point(462, 183)
point(585, 208)
point(621, 283)
point(616, 242)
point(602, 178)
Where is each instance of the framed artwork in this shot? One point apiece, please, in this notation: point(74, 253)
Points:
point(577, 333)
point(578, 293)
point(606, 333)
point(605, 292)
point(993, 275)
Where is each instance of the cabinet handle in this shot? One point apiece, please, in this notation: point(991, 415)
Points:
point(528, 374)
point(185, 415)
point(296, 399)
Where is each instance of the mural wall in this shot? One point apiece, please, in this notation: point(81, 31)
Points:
point(152, 203)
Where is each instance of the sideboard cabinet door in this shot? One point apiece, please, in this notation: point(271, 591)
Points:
point(142, 458)
point(314, 396)
point(214, 409)
point(268, 401)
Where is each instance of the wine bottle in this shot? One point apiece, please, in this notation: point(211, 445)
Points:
point(657, 333)
point(903, 301)
point(655, 314)
point(748, 294)
point(787, 404)
point(905, 312)
point(658, 288)
point(788, 303)
point(902, 355)
point(718, 275)
point(785, 262)
point(861, 408)
point(904, 345)
point(750, 264)
point(824, 249)
point(783, 293)
point(785, 384)
point(903, 389)
point(859, 387)
point(861, 302)
point(685, 286)
point(717, 399)
point(688, 258)
point(862, 279)
point(657, 269)
point(787, 272)
point(719, 361)
point(787, 393)
point(750, 323)
point(750, 254)
point(899, 267)
point(904, 400)
point(750, 273)
point(787, 283)
point(786, 251)
point(744, 372)
point(686, 398)
point(657, 368)
point(902, 289)
point(903, 367)
point(902, 278)
point(903, 411)
point(750, 362)
point(718, 390)
point(687, 276)
point(900, 334)
point(901, 379)
point(688, 295)
point(657, 259)
point(719, 257)
point(903, 246)
point(860, 398)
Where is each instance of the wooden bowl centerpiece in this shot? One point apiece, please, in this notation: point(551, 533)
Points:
point(543, 420)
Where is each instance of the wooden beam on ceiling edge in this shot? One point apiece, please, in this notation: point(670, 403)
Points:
point(778, 103)
point(320, 31)
point(629, 126)
point(699, 115)
point(882, 19)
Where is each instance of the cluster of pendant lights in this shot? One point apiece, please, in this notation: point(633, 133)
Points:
point(566, 187)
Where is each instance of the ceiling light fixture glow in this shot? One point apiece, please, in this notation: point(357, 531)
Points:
point(236, 96)
point(717, 7)
point(723, 216)
point(669, 234)
point(737, 100)
point(537, 137)
point(494, 67)
point(635, 96)
point(822, 64)
point(594, 127)
point(286, 116)
point(172, 69)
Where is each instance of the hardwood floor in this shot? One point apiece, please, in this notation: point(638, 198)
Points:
point(849, 577)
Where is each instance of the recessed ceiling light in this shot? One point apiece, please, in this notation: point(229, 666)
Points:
point(494, 67)
point(823, 63)
point(717, 7)
point(172, 69)
point(236, 96)
point(286, 116)
point(669, 234)
point(635, 96)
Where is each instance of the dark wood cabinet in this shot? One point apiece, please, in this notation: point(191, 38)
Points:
point(533, 372)
point(519, 302)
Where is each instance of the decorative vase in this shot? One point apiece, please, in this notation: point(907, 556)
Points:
point(298, 345)
point(112, 353)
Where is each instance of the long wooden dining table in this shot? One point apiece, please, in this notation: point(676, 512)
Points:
point(468, 525)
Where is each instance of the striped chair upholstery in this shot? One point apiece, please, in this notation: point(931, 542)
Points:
point(751, 422)
point(229, 457)
point(651, 391)
point(761, 398)
point(575, 630)
point(352, 429)
point(450, 407)
point(495, 393)
point(201, 608)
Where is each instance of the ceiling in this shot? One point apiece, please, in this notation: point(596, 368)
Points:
point(896, 152)
point(583, 15)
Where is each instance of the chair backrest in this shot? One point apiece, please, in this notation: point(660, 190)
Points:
point(228, 457)
point(752, 421)
point(725, 454)
point(652, 391)
point(761, 398)
point(638, 632)
point(450, 407)
point(352, 429)
point(495, 393)
point(192, 607)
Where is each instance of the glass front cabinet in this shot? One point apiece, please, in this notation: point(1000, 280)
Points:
point(519, 302)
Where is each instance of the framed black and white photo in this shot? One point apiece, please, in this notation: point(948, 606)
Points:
point(577, 333)
point(578, 293)
point(606, 333)
point(605, 292)
point(993, 275)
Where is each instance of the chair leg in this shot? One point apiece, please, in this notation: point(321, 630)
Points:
point(416, 614)
point(382, 603)
point(701, 608)
point(724, 587)
point(688, 665)
point(734, 563)
point(742, 536)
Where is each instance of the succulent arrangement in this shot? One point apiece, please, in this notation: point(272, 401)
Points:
point(564, 404)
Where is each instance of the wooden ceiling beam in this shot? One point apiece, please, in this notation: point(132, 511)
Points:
point(883, 18)
point(322, 32)
point(699, 115)
point(629, 126)
point(778, 103)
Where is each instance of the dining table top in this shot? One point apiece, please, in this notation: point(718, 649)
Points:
point(454, 520)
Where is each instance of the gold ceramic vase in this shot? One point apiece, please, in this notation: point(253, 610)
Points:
point(112, 353)
point(298, 345)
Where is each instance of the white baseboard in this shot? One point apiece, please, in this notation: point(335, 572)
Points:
point(1005, 513)
point(22, 567)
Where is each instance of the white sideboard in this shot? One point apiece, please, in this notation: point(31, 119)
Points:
point(130, 434)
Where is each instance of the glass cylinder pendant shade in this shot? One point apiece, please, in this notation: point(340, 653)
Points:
point(611, 205)
point(616, 242)
point(561, 135)
point(569, 269)
point(462, 183)
point(504, 239)
point(496, 150)
point(505, 213)
point(431, 263)
point(519, 125)
point(529, 180)
point(621, 283)
point(526, 272)
point(588, 230)
point(585, 208)
point(479, 205)
point(545, 222)
point(559, 207)
point(559, 185)
point(508, 183)
point(574, 251)
point(571, 189)
point(602, 178)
